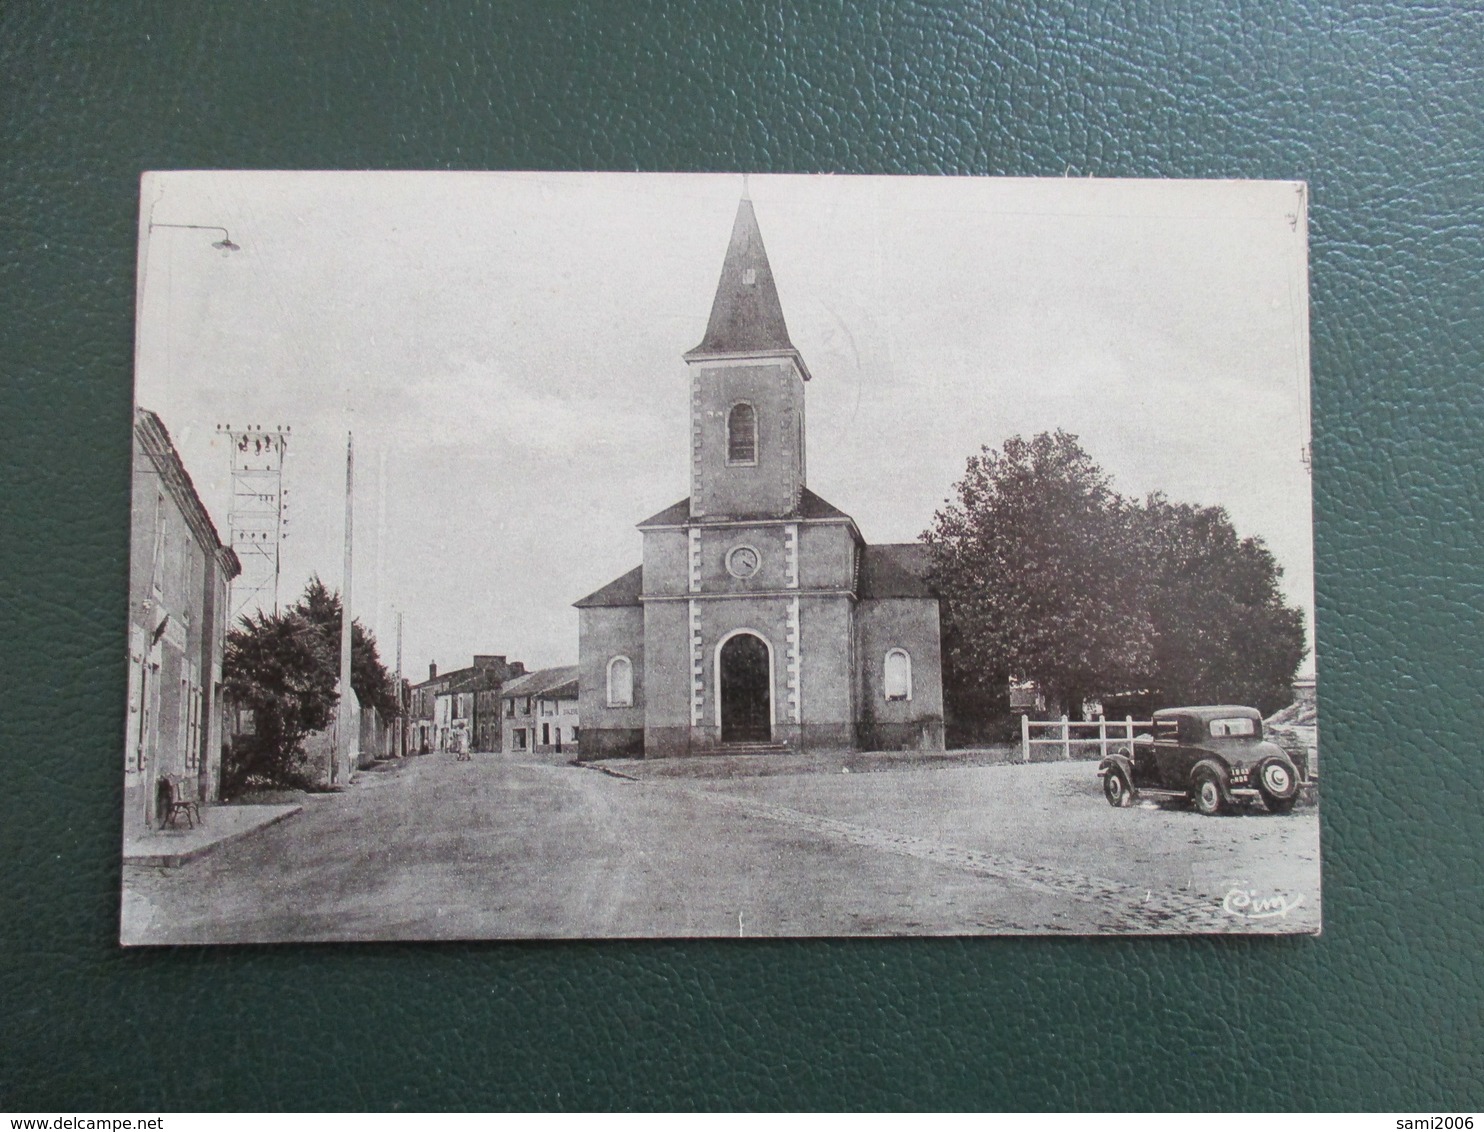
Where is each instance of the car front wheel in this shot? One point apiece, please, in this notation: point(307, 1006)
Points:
point(1206, 794)
point(1116, 789)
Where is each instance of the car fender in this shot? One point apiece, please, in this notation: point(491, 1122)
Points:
point(1120, 759)
point(1219, 769)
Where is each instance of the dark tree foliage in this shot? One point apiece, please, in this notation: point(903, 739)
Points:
point(1222, 633)
point(1046, 574)
point(1032, 577)
point(284, 669)
point(374, 685)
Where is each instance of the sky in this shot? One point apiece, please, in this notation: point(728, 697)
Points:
point(506, 350)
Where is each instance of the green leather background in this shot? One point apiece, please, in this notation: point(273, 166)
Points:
point(1377, 105)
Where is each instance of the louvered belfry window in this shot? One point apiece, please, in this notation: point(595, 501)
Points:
point(742, 434)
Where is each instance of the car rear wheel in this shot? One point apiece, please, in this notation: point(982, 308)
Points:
point(1205, 794)
point(1116, 789)
point(1275, 784)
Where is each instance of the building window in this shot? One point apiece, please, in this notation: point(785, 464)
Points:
point(620, 682)
point(742, 434)
point(509, 709)
point(898, 675)
point(546, 734)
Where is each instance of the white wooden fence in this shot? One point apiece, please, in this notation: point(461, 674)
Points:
point(1108, 735)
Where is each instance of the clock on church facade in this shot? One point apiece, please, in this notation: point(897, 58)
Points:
point(760, 619)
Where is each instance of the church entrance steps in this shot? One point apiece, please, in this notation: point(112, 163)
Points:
point(744, 749)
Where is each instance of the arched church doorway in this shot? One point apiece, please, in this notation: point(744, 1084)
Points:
point(745, 681)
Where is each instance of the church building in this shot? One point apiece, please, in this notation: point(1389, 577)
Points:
point(760, 619)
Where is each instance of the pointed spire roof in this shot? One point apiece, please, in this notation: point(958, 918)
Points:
point(746, 317)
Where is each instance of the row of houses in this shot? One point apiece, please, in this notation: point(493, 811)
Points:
point(179, 720)
point(494, 704)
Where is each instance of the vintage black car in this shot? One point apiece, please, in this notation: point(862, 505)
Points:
point(1214, 756)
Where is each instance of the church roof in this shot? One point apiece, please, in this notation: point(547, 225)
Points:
point(811, 506)
point(746, 317)
point(671, 516)
point(895, 569)
point(620, 591)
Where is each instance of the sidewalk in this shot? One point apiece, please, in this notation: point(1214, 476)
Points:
point(168, 848)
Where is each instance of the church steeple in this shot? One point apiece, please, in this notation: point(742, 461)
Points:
point(746, 316)
point(747, 393)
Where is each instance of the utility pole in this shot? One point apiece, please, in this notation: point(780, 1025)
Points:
point(401, 703)
point(345, 733)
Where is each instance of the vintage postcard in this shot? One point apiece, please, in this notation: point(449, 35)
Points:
point(724, 556)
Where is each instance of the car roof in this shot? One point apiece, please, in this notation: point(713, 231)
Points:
point(1210, 711)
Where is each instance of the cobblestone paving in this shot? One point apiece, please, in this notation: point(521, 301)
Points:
point(1120, 907)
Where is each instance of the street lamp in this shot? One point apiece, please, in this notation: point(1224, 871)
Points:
point(224, 245)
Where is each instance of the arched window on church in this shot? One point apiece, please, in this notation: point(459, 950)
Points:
point(898, 675)
point(620, 682)
point(742, 434)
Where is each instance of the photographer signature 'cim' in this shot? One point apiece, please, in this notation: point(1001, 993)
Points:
point(1246, 903)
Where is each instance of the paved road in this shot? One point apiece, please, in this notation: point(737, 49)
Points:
point(437, 849)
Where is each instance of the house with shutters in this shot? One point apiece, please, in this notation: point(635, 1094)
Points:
point(759, 618)
point(180, 573)
point(460, 709)
point(541, 713)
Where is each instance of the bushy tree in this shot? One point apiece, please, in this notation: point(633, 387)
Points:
point(1222, 632)
point(1031, 574)
point(1045, 573)
point(374, 685)
point(284, 668)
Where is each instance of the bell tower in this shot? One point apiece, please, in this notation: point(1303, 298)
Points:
point(746, 393)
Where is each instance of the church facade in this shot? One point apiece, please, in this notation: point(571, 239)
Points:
point(760, 619)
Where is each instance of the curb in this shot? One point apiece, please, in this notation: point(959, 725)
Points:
point(175, 860)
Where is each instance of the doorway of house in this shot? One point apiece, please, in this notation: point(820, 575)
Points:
point(746, 697)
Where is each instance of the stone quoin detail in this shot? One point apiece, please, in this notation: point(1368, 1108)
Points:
point(697, 669)
point(795, 662)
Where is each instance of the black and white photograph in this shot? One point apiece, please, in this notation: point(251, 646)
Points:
point(616, 555)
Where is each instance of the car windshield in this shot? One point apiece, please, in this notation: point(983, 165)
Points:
point(1222, 728)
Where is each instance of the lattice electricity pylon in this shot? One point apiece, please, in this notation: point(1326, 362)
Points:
point(259, 514)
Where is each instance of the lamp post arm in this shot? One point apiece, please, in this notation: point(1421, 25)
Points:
point(225, 243)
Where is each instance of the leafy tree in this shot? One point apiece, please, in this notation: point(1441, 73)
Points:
point(284, 669)
point(1032, 576)
point(374, 685)
point(1222, 633)
point(1045, 573)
